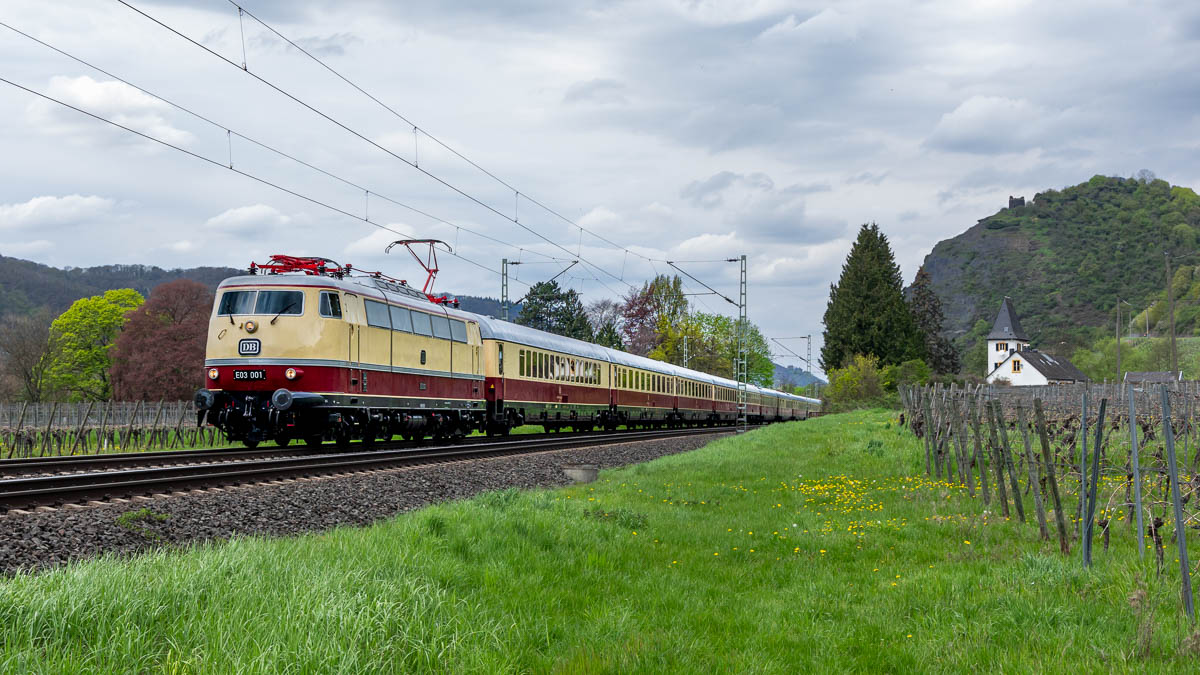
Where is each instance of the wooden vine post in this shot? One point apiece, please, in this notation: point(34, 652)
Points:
point(1051, 481)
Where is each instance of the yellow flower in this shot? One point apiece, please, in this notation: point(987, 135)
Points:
point(716, 554)
point(967, 542)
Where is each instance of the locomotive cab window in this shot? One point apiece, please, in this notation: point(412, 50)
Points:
point(279, 302)
point(458, 330)
point(236, 302)
point(331, 305)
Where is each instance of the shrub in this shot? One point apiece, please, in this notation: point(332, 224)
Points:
point(858, 385)
point(914, 371)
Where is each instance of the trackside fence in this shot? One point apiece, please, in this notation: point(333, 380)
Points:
point(1114, 462)
point(42, 429)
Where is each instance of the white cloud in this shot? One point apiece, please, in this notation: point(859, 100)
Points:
point(995, 124)
point(248, 219)
point(27, 248)
point(49, 211)
point(112, 100)
point(828, 26)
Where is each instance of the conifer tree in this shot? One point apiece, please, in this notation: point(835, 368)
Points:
point(866, 313)
point(926, 311)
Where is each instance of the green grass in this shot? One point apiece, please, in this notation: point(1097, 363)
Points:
point(806, 547)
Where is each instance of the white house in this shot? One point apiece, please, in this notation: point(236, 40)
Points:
point(1014, 361)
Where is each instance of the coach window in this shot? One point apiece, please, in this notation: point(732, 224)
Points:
point(330, 305)
point(521, 363)
point(441, 327)
point(377, 314)
point(458, 330)
point(401, 319)
point(420, 323)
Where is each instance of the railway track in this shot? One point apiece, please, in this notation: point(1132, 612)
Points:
point(69, 464)
point(238, 467)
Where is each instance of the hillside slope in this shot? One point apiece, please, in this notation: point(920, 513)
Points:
point(29, 285)
point(1065, 258)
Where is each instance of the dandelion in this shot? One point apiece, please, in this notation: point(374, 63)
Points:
point(967, 542)
point(822, 551)
point(714, 553)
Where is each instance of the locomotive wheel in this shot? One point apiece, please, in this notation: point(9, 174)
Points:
point(250, 444)
point(282, 441)
point(313, 441)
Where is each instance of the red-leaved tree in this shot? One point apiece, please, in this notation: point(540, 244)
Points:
point(160, 352)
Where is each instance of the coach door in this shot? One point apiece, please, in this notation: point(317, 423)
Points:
point(354, 320)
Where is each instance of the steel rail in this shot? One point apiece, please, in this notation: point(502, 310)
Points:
point(61, 463)
point(74, 488)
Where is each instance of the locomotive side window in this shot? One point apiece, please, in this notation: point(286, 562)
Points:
point(377, 314)
point(441, 327)
point(330, 305)
point(458, 330)
point(279, 302)
point(236, 302)
point(401, 319)
point(421, 325)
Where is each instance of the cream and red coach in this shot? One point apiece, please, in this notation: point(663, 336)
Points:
point(316, 353)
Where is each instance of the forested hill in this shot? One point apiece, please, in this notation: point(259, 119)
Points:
point(29, 286)
point(1065, 257)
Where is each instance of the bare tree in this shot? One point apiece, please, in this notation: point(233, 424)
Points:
point(25, 344)
point(604, 312)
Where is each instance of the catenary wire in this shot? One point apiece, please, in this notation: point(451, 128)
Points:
point(364, 138)
point(270, 148)
point(425, 133)
point(251, 176)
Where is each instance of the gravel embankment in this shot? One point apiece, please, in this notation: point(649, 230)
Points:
point(50, 538)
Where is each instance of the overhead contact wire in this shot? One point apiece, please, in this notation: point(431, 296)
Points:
point(230, 132)
point(251, 176)
point(430, 136)
point(355, 133)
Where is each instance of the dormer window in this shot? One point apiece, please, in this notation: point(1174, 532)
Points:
point(1001, 346)
point(1016, 366)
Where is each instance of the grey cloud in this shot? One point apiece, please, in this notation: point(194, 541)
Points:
point(868, 178)
point(707, 193)
point(598, 91)
point(331, 45)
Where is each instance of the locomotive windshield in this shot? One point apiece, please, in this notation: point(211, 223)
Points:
point(261, 302)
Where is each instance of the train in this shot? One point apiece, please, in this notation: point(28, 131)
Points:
point(308, 350)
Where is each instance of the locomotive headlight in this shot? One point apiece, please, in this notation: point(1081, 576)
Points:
point(251, 326)
point(213, 373)
point(293, 373)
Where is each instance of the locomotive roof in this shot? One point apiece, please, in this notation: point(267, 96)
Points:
point(495, 329)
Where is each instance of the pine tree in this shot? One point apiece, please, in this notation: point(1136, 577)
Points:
point(553, 309)
point(866, 313)
point(926, 311)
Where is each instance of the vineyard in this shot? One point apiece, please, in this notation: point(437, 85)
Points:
point(1112, 462)
point(43, 429)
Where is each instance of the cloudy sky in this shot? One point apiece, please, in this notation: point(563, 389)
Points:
point(675, 129)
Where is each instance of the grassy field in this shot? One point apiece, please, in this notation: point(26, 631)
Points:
point(807, 547)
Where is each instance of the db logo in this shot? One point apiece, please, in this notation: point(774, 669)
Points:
point(249, 347)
